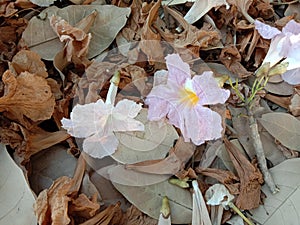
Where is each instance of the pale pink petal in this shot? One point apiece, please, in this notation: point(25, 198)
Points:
point(119, 123)
point(85, 119)
point(292, 76)
point(293, 58)
point(99, 146)
point(291, 27)
point(159, 100)
point(127, 108)
point(265, 30)
point(202, 124)
point(208, 90)
point(179, 71)
point(274, 53)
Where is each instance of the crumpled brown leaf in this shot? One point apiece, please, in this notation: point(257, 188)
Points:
point(250, 178)
point(76, 39)
point(231, 58)
point(191, 37)
point(28, 61)
point(151, 41)
point(7, 8)
point(26, 95)
point(133, 216)
point(54, 205)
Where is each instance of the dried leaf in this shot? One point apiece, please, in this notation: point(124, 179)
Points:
point(148, 199)
point(120, 175)
point(133, 216)
point(153, 143)
point(172, 164)
point(284, 127)
point(49, 165)
point(42, 39)
point(201, 7)
point(26, 95)
point(283, 207)
point(294, 106)
point(28, 61)
point(250, 178)
point(16, 197)
point(43, 3)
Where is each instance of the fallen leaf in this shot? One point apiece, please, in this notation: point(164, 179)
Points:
point(43, 3)
point(26, 95)
point(153, 143)
point(16, 197)
point(294, 106)
point(284, 127)
point(28, 61)
point(281, 88)
point(283, 207)
point(201, 7)
point(250, 178)
point(40, 37)
point(50, 164)
point(133, 216)
point(148, 199)
point(118, 174)
point(172, 164)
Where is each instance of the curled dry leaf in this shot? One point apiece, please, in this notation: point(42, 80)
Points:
point(150, 41)
point(133, 216)
point(250, 178)
point(294, 106)
point(57, 203)
point(40, 37)
point(26, 95)
point(28, 61)
point(43, 3)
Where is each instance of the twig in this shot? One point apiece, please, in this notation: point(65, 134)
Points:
point(260, 152)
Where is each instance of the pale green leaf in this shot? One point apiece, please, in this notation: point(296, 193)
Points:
point(16, 198)
point(282, 207)
point(284, 127)
point(148, 199)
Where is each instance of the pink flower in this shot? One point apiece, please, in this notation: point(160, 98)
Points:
point(182, 99)
point(97, 122)
point(285, 45)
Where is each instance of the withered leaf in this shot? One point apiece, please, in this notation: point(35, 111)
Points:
point(26, 95)
point(42, 39)
point(28, 61)
point(173, 163)
point(250, 178)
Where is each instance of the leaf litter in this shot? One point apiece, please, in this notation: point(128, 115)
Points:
point(216, 84)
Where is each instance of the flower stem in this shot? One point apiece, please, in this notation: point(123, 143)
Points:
point(113, 89)
point(236, 209)
point(260, 153)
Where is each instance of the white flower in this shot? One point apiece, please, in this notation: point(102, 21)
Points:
point(97, 122)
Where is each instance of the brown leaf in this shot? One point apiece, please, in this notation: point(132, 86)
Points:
point(150, 41)
point(7, 8)
point(294, 105)
point(231, 58)
point(172, 164)
point(28, 61)
point(250, 178)
point(26, 95)
point(52, 205)
point(225, 177)
point(133, 216)
point(84, 207)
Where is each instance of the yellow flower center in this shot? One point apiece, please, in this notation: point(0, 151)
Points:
point(188, 95)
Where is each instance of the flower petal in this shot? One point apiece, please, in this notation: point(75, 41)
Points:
point(127, 108)
point(292, 76)
point(208, 90)
point(99, 146)
point(87, 119)
point(202, 124)
point(265, 30)
point(274, 54)
point(291, 27)
point(179, 71)
point(119, 123)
